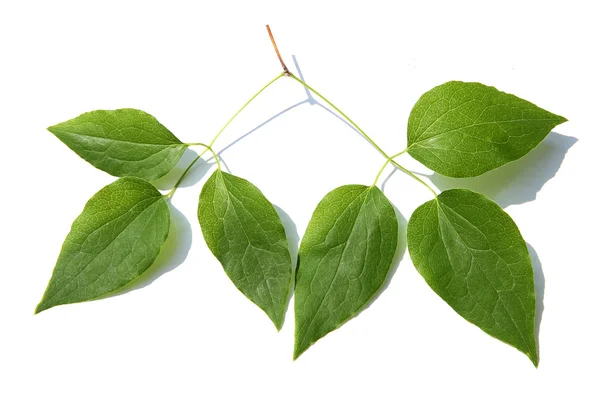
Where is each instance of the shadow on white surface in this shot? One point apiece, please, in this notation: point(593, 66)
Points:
point(279, 114)
point(194, 176)
point(387, 178)
point(539, 282)
point(291, 232)
point(314, 102)
point(172, 254)
point(223, 163)
point(309, 100)
point(517, 182)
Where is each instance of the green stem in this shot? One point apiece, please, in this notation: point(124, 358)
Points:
point(341, 113)
point(399, 154)
point(400, 167)
point(380, 171)
point(244, 106)
point(208, 148)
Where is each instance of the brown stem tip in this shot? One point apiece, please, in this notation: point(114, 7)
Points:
point(285, 68)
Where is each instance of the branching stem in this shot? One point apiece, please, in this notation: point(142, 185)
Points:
point(380, 171)
point(383, 153)
point(341, 113)
point(208, 147)
point(286, 72)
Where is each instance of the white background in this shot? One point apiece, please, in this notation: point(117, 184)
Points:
point(185, 332)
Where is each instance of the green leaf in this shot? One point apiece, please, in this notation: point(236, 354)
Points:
point(463, 129)
point(124, 142)
point(345, 256)
point(473, 256)
point(244, 232)
point(113, 241)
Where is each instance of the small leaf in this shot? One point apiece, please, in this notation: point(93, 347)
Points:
point(463, 129)
point(345, 256)
point(124, 142)
point(244, 232)
point(472, 255)
point(113, 241)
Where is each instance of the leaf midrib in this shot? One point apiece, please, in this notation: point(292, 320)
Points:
point(419, 141)
point(67, 132)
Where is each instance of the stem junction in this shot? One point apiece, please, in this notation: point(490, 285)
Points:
point(286, 72)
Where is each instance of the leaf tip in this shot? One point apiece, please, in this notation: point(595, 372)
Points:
point(277, 317)
point(296, 354)
point(299, 349)
point(278, 324)
point(40, 307)
point(534, 359)
point(52, 128)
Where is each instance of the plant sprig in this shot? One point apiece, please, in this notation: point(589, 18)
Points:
point(465, 246)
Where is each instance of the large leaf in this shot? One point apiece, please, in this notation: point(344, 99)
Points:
point(345, 256)
point(463, 129)
point(472, 255)
point(113, 241)
point(124, 142)
point(244, 232)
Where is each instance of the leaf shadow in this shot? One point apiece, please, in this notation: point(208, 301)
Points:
point(309, 100)
point(519, 181)
point(168, 181)
point(245, 135)
point(312, 101)
point(539, 283)
point(172, 254)
point(387, 178)
point(293, 238)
